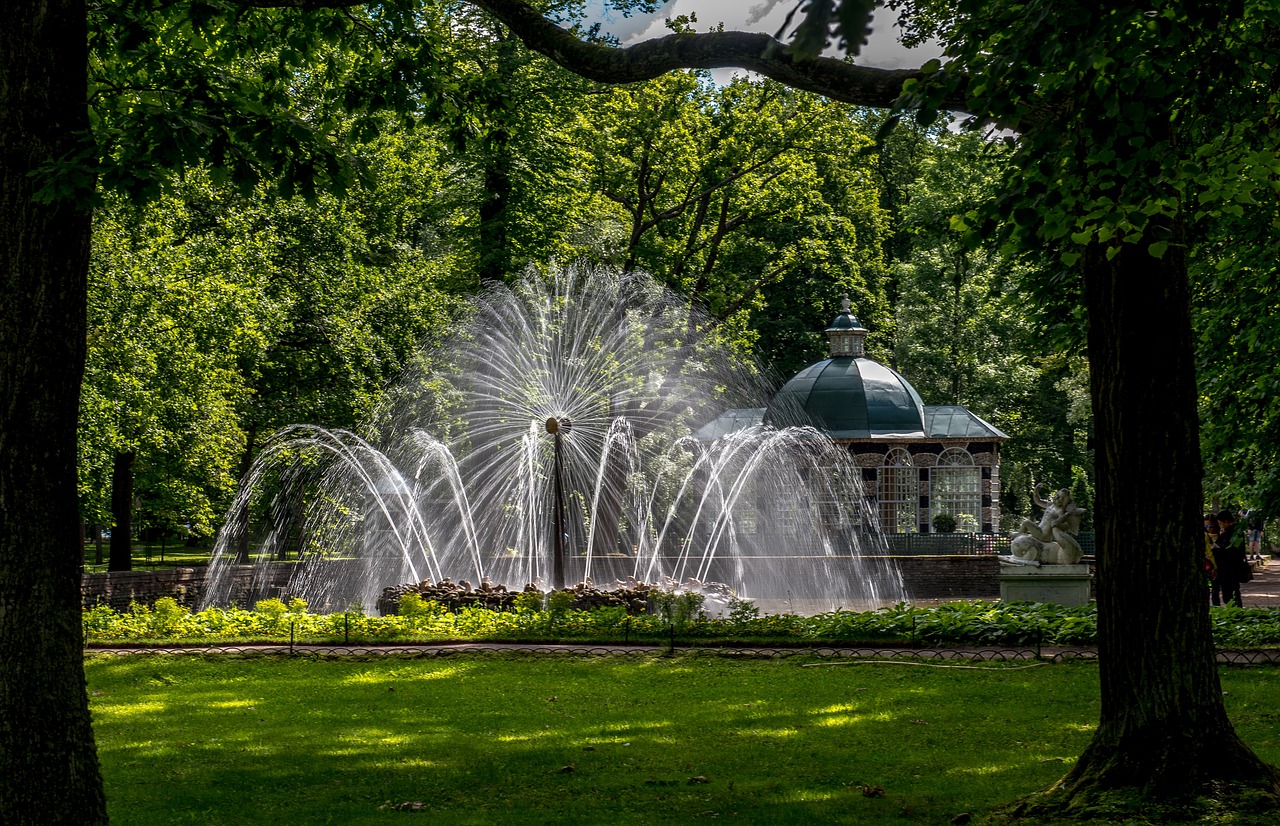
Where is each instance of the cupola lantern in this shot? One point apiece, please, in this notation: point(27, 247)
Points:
point(846, 333)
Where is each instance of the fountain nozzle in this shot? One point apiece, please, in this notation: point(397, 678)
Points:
point(556, 424)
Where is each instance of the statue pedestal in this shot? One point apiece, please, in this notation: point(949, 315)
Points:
point(1059, 584)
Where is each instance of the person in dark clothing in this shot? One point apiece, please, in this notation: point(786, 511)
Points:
point(1253, 525)
point(1228, 553)
point(1210, 564)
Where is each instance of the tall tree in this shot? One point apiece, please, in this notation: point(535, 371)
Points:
point(964, 330)
point(733, 197)
point(1101, 103)
point(1236, 299)
point(48, 764)
point(161, 388)
point(174, 86)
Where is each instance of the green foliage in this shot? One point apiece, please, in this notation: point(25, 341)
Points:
point(255, 94)
point(559, 602)
point(1236, 299)
point(957, 623)
point(1125, 127)
point(414, 608)
point(529, 601)
point(167, 316)
point(729, 195)
point(215, 319)
point(944, 523)
point(742, 611)
point(962, 623)
point(679, 609)
point(167, 616)
point(964, 331)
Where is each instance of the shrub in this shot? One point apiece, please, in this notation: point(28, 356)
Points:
point(957, 623)
point(529, 602)
point(414, 608)
point(679, 609)
point(944, 523)
point(167, 616)
point(271, 608)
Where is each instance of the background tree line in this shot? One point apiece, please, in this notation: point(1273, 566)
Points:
point(219, 315)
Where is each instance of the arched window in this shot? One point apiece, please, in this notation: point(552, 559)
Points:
point(899, 493)
point(955, 487)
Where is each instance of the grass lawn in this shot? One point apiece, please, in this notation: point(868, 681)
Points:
point(531, 740)
point(149, 555)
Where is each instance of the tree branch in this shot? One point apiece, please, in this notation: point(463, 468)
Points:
point(757, 52)
point(836, 79)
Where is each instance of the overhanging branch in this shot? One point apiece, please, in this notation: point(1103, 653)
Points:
point(757, 52)
point(836, 79)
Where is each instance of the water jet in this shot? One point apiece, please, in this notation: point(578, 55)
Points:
point(456, 478)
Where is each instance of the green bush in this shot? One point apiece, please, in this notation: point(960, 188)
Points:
point(679, 609)
point(956, 623)
point(415, 609)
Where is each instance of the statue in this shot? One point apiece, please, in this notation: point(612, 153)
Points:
point(1053, 541)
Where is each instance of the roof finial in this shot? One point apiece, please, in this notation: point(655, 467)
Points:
point(846, 307)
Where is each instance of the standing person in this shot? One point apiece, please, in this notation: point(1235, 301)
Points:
point(1253, 521)
point(1228, 552)
point(1211, 564)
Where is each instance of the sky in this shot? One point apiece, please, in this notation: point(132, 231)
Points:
point(883, 51)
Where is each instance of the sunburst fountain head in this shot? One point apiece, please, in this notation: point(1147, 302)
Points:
point(559, 424)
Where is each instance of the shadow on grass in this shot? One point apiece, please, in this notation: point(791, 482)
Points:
point(537, 740)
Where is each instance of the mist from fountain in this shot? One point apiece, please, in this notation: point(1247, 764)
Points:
point(455, 478)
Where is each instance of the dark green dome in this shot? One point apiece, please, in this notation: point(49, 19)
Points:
point(849, 398)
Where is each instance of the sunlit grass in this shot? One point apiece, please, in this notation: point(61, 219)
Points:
point(542, 740)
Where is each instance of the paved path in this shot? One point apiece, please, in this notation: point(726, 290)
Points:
point(1264, 590)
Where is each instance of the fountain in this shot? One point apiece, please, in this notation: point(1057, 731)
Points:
point(552, 440)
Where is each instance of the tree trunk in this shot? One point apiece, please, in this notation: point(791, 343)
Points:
point(121, 512)
point(1163, 736)
point(494, 231)
point(493, 235)
point(48, 762)
point(241, 528)
point(97, 544)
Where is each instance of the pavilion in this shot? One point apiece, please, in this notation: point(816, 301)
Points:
point(917, 460)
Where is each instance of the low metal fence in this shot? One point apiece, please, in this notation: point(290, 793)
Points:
point(953, 544)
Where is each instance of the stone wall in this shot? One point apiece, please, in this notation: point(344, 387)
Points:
point(925, 577)
point(186, 585)
point(950, 577)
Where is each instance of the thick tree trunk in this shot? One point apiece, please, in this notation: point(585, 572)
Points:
point(1163, 737)
point(48, 763)
point(121, 512)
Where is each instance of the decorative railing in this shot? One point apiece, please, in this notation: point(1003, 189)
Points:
point(952, 544)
